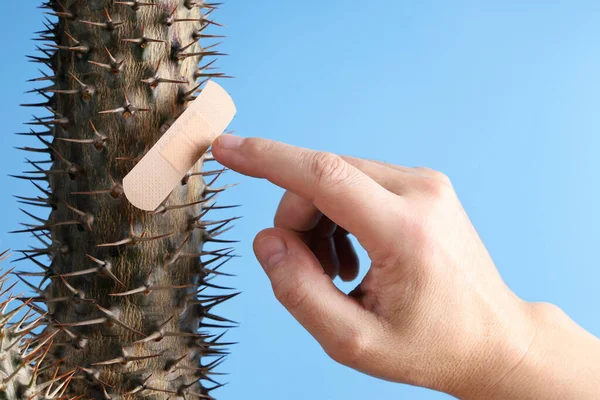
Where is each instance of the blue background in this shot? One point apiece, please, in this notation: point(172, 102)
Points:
point(502, 96)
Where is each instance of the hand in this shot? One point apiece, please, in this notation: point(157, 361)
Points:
point(432, 310)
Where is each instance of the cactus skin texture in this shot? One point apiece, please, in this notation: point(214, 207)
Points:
point(127, 297)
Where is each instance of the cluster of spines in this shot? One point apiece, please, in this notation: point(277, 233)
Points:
point(23, 350)
point(43, 230)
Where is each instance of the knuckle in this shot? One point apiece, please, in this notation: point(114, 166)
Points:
point(441, 177)
point(350, 350)
point(546, 310)
point(437, 188)
point(432, 173)
point(329, 168)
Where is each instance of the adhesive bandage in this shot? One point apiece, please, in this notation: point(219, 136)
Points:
point(155, 176)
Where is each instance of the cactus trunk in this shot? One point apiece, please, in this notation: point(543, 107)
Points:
point(125, 290)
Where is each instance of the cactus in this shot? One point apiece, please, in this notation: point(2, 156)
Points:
point(21, 352)
point(15, 372)
point(127, 296)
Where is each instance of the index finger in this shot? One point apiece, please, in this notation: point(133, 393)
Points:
point(347, 196)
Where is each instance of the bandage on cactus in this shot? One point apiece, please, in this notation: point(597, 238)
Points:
point(128, 296)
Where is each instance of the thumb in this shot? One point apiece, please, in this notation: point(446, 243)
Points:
point(336, 321)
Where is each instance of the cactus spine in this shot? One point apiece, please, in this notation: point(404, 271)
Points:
point(21, 353)
point(127, 296)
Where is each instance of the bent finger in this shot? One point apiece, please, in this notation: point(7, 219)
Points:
point(299, 283)
point(296, 213)
point(347, 257)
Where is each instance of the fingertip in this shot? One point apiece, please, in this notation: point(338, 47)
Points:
point(348, 259)
point(266, 233)
point(347, 277)
point(224, 146)
point(264, 242)
point(216, 150)
point(228, 141)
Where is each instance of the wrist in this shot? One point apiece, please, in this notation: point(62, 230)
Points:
point(501, 346)
point(509, 379)
point(560, 361)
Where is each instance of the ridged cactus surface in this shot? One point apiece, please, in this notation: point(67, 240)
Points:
point(127, 296)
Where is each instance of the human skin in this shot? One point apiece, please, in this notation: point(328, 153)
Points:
point(432, 310)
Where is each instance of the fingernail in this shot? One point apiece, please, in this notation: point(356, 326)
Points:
point(270, 251)
point(230, 142)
